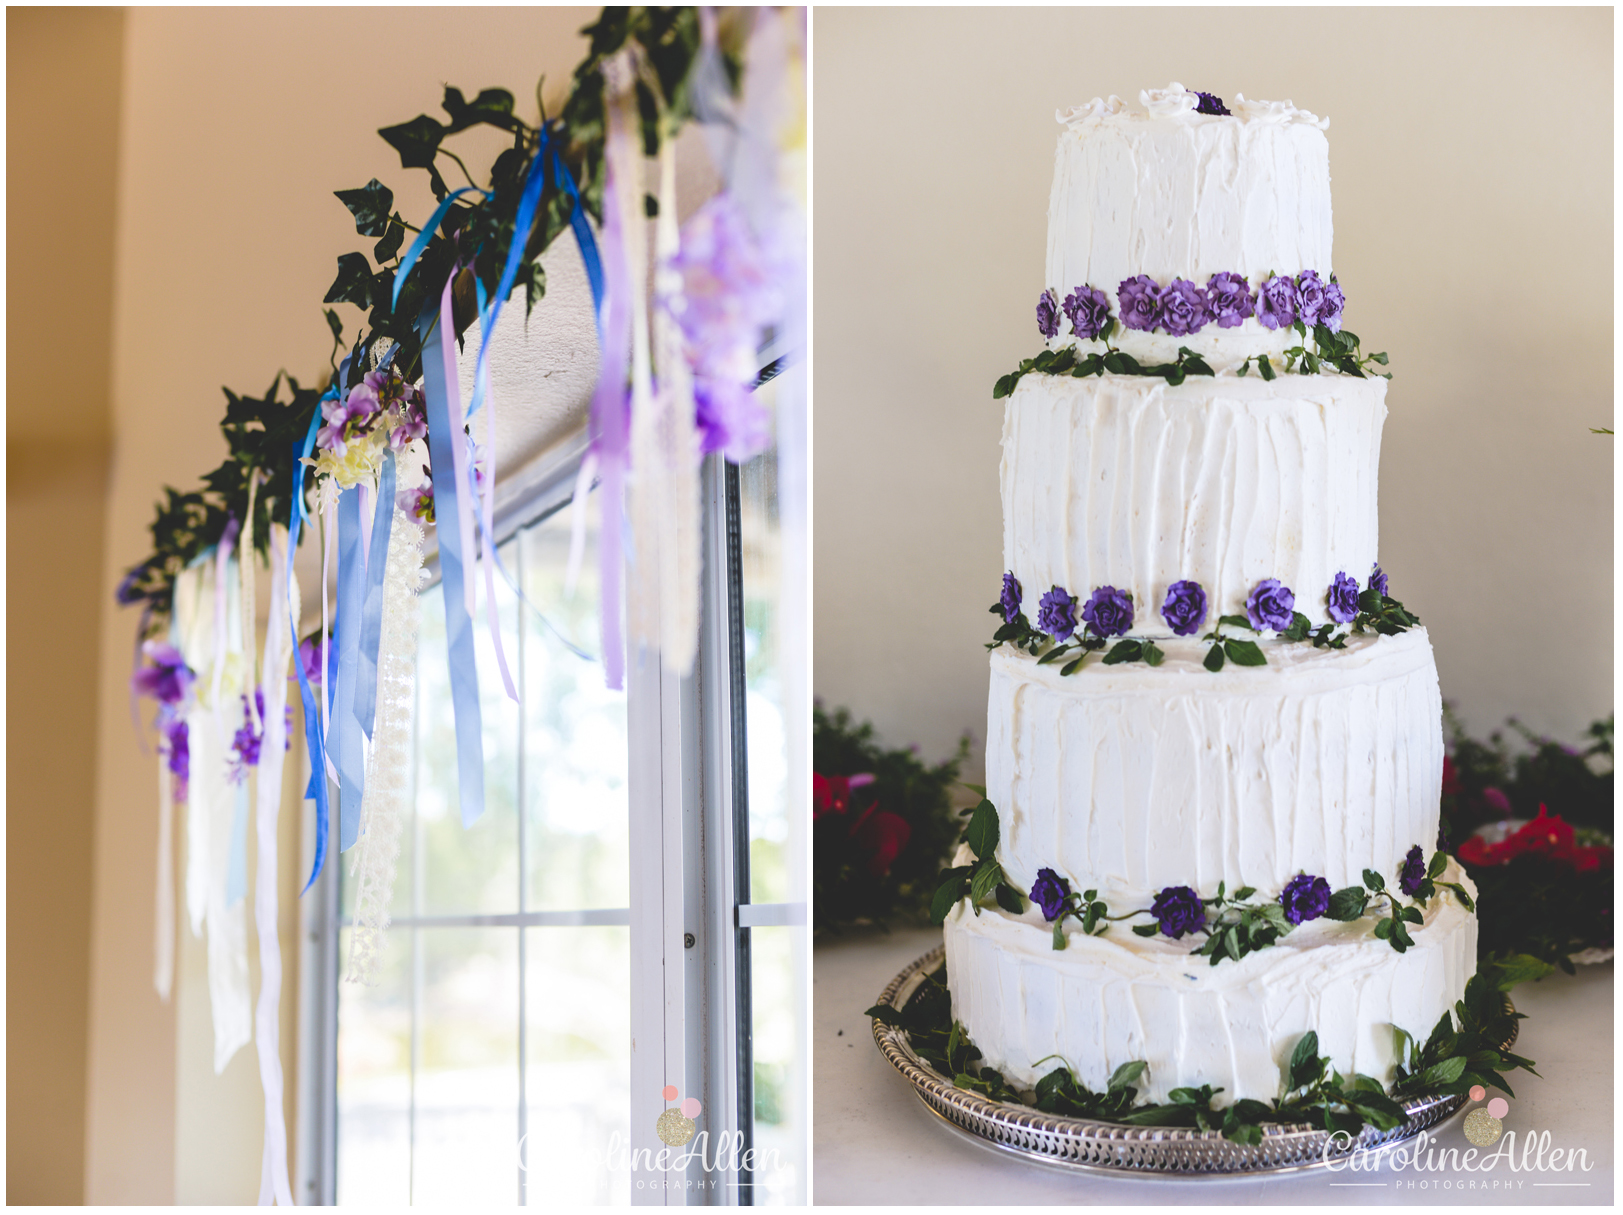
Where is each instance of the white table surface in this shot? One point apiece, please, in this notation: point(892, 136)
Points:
point(874, 1142)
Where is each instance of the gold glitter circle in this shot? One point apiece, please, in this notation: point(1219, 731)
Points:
point(1481, 1128)
point(676, 1130)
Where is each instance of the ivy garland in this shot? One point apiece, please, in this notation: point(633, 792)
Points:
point(261, 432)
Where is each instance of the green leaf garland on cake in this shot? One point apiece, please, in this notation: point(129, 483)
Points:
point(985, 878)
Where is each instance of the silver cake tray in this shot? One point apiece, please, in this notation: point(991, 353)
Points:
point(1086, 1145)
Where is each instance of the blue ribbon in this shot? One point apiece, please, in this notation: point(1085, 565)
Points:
point(343, 730)
point(377, 560)
point(415, 250)
point(583, 237)
point(470, 758)
point(236, 873)
point(312, 713)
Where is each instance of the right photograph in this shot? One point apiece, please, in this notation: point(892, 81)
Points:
point(1213, 613)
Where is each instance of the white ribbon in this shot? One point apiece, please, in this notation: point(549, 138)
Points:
point(163, 953)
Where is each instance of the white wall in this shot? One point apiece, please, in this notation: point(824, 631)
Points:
point(1471, 154)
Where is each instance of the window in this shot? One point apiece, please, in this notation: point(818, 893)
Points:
point(592, 906)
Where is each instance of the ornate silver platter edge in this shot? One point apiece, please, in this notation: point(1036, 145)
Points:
point(1085, 1145)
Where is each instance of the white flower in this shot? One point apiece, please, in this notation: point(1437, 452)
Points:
point(1169, 102)
point(1096, 109)
point(1275, 112)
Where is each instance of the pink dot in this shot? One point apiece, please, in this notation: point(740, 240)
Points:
point(1498, 1107)
point(1478, 1092)
point(691, 1108)
point(668, 1092)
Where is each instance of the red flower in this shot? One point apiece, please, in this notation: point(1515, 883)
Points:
point(882, 835)
point(1549, 835)
point(1451, 778)
point(830, 795)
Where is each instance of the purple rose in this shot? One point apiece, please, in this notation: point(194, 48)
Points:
point(1089, 310)
point(168, 678)
point(1414, 872)
point(1334, 302)
point(1342, 600)
point(1185, 607)
point(1305, 898)
point(1049, 892)
point(1056, 614)
point(1011, 598)
point(1269, 605)
point(1184, 309)
point(1140, 300)
point(1210, 104)
point(1178, 910)
point(1108, 612)
point(1230, 299)
point(1310, 302)
point(1048, 315)
point(1276, 303)
point(1377, 581)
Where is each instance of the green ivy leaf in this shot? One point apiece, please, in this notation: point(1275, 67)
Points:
point(416, 141)
point(370, 206)
point(1348, 904)
point(1009, 899)
point(1124, 651)
point(1153, 654)
point(1005, 385)
point(336, 325)
point(1264, 366)
point(386, 248)
point(1439, 862)
point(1072, 667)
point(982, 833)
point(1298, 628)
point(1213, 661)
point(948, 891)
point(1146, 930)
point(988, 874)
point(1235, 622)
point(353, 282)
point(493, 106)
point(1244, 653)
point(1374, 881)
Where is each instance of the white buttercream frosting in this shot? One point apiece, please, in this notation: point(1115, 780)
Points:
point(1131, 778)
point(1108, 1000)
point(1133, 483)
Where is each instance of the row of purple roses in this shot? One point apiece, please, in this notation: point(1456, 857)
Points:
point(1181, 308)
point(1179, 909)
point(1108, 612)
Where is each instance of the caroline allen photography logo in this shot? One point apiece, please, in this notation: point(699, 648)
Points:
point(1430, 1167)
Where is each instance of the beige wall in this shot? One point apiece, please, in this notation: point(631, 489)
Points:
point(1471, 152)
point(63, 80)
point(237, 125)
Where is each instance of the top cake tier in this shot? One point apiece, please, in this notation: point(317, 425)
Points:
point(1170, 193)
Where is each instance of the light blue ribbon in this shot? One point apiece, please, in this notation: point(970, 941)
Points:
point(415, 250)
point(377, 560)
point(470, 758)
point(343, 730)
point(236, 873)
point(312, 713)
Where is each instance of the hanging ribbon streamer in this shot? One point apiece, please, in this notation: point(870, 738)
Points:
point(443, 404)
point(246, 562)
point(312, 715)
point(273, 1179)
point(344, 731)
point(222, 608)
point(415, 249)
point(366, 689)
point(225, 924)
point(163, 967)
point(191, 623)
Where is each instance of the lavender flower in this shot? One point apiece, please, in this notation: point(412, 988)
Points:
point(730, 288)
point(1230, 299)
point(1377, 582)
point(1276, 303)
point(413, 419)
point(416, 503)
point(1140, 299)
point(1010, 598)
point(1210, 104)
point(1269, 605)
point(247, 740)
point(1048, 314)
point(1343, 599)
point(1414, 872)
point(1305, 898)
point(1089, 311)
point(1049, 892)
point(178, 748)
point(1184, 309)
point(1108, 612)
point(1310, 301)
point(1334, 302)
point(1178, 910)
point(730, 419)
point(1443, 844)
point(310, 658)
point(1056, 614)
point(1185, 607)
point(168, 679)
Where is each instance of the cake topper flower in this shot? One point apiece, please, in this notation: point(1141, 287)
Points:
point(1049, 892)
point(1108, 612)
point(1140, 299)
point(1178, 910)
point(1230, 299)
point(1209, 103)
point(1089, 311)
point(1010, 598)
point(1185, 607)
point(1276, 303)
point(1169, 102)
point(1056, 614)
point(1184, 309)
point(1342, 600)
point(1048, 314)
point(1305, 898)
point(1414, 872)
point(1269, 606)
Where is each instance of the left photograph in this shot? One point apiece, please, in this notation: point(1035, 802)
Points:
point(420, 714)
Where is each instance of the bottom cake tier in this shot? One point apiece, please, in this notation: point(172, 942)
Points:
point(1113, 999)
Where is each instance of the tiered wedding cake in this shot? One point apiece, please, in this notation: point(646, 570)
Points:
point(1147, 508)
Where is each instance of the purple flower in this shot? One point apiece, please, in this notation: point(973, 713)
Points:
point(1310, 301)
point(1414, 872)
point(1185, 607)
point(1269, 605)
point(126, 593)
point(1178, 910)
point(730, 419)
point(1108, 612)
point(1049, 892)
point(310, 658)
point(1276, 303)
point(168, 679)
point(1089, 310)
point(1230, 299)
point(1377, 581)
point(730, 288)
point(413, 423)
point(1305, 898)
point(1140, 299)
point(1334, 302)
point(1443, 844)
point(1343, 599)
point(246, 741)
point(1011, 598)
point(1056, 614)
point(1184, 309)
point(1210, 104)
point(178, 748)
point(1048, 314)
point(416, 503)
